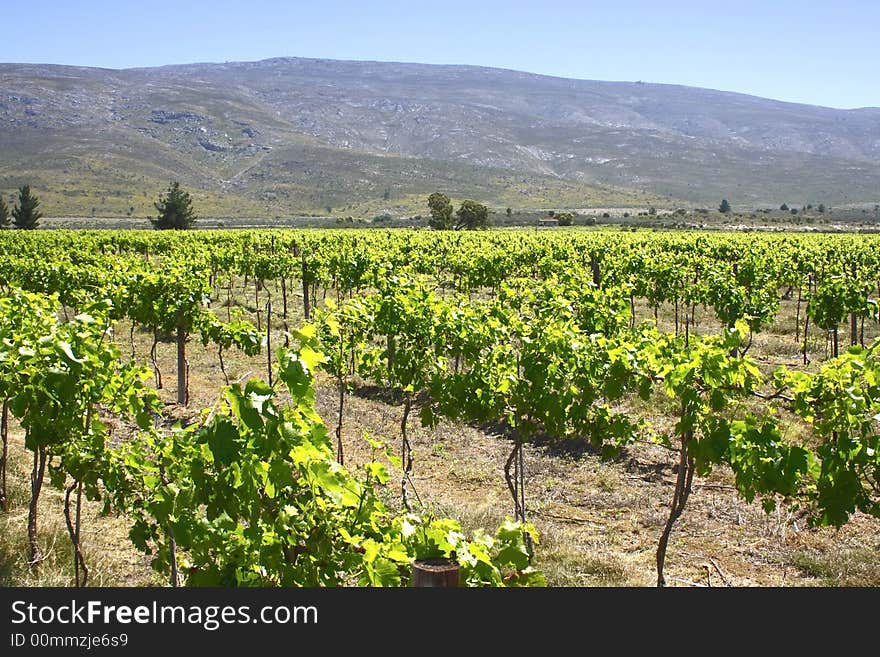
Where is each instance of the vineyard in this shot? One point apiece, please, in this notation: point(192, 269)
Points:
point(323, 407)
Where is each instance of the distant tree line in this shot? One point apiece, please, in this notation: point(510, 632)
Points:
point(175, 210)
point(469, 216)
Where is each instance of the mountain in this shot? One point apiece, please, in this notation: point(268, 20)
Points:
point(291, 135)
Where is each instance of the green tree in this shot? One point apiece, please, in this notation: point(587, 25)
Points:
point(25, 214)
point(724, 207)
point(4, 214)
point(472, 216)
point(441, 211)
point(175, 210)
point(784, 207)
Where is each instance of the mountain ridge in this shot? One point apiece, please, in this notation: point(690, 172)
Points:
point(290, 134)
point(464, 67)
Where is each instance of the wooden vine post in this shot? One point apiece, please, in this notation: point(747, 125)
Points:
point(181, 362)
point(307, 312)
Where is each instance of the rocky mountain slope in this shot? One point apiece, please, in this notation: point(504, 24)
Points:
point(301, 135)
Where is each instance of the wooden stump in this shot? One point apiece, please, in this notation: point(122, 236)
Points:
point(435, 573)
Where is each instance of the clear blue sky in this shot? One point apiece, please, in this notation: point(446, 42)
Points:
point(822, 53)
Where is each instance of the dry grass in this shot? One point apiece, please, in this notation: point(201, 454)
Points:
point(110, 556)
point(599, 519)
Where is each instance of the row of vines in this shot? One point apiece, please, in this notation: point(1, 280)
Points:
point(539, 332)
